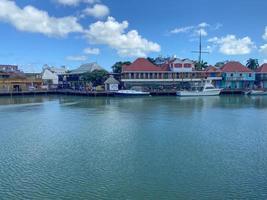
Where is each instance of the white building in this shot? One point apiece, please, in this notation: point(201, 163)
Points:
point(111, 84)
point(182, 65)
point(50, 75)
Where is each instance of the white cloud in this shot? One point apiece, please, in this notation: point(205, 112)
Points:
point(203, 25)
point(263, 48)
point(113, 34)
point(77, 58)
point(196, 29)
point(217, 26)
point(230, 45)
point(76, 2)
point(92, 51)
point(202, 31)
point(182, 29)
point(265, 34)
point(97, 11)
point(31, 19)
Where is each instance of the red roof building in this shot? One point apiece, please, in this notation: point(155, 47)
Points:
point(261, 76)
point(142, 64)
point(212, 69)
point(235, 67)
point(262, 69)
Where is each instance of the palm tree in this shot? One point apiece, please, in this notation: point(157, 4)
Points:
point(201, 65)
point(252, 63)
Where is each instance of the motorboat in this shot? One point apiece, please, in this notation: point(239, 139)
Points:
point(257, 92)
point(207, 90)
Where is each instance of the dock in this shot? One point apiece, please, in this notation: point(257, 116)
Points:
point(59, 92)
point(104, 93)
point(79, 93)
point(233, 91)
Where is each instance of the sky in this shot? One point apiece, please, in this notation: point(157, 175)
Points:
point(74, 32)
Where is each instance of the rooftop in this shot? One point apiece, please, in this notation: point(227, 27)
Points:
point(142, 64)
point(262, 69)
point(212, 69)
point(85, 68)
point(111, 80)
point(234, 66)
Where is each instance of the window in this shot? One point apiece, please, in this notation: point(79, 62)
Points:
point(250, 75)
point(165, 76)
point(178, 65)
point(232, 75)
point(187, 65)
point(209, 88)
point(241, 74)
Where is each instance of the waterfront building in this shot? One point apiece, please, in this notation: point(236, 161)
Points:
point(261, 76)
point(111, 84)
point(236, 76)
point(73, 79)
point(173, 74)
point(50, 76)
point(181, 65)
point(213, 73)
point(9, 68)
point(15, 81)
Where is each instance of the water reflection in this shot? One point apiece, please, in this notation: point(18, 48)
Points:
point(64, 147)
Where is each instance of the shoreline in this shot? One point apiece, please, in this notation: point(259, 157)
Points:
point(98, 94)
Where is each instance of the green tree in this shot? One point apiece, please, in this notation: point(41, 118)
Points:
point(201, 65)
point(252, 63)
point(97, 77)
point(117, 67)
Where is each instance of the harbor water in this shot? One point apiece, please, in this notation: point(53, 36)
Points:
point(65, 147)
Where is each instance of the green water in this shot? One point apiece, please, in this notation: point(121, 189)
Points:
point(60, 147)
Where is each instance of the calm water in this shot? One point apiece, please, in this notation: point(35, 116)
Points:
point(59, 147)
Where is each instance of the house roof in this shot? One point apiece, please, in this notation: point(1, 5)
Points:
point(60, 70)
point(234, 67)
point(178, 60)
point(85, 68)
point(111, 80)
point(212, 69)
point(142, 64)
point(262, 69)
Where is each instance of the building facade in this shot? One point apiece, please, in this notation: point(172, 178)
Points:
point(236, 76)
point(9, 68)
point(50, 76)
point(74, 78)
point(261, 77)
point(171, 75)
point(16, 82)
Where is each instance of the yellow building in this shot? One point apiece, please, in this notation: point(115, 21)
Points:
point(17, 81)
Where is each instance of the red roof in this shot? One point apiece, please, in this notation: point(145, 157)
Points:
point(262, 69)
point(142, 64)
point(212, 69)
point(235, 67)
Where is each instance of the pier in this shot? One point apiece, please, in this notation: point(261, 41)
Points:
point(106, 93)
point(59, 92)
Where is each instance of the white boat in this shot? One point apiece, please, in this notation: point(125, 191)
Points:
point(257, 92)
point(131, 93)
point(207, 90)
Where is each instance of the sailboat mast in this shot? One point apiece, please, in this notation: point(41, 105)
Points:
point(200, 47)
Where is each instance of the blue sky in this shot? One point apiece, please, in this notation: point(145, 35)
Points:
point(72, 32)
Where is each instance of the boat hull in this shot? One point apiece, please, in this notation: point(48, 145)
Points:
point(198, 93)
point(257, 93)
point(131, 93)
